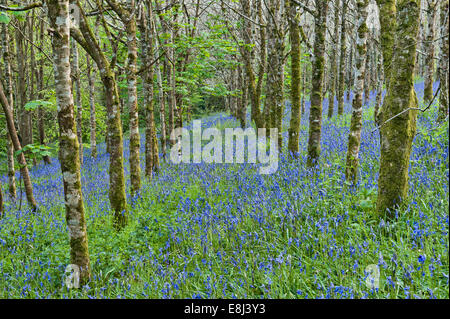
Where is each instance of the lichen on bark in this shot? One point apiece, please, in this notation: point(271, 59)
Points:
point(58, 14)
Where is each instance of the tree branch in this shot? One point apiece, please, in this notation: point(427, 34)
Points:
point(27, 7)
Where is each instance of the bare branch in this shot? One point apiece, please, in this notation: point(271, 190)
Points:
point(26, 8)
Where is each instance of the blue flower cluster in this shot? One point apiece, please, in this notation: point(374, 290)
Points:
point(225, 231)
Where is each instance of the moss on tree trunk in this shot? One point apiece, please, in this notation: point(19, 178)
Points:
point(275, 73)
point(9, 95)
point(354, 138)
point(93, 127)
point(397, 135)
point(58, 13)
point(294, 34)
point(315, 117)
point(135, 143)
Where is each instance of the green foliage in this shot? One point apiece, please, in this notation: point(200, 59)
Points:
point(33, 105)
point(35, 151)
point(4, 18)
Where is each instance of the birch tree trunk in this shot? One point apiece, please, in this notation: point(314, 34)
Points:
point(429, 50)
point(388, 23)
point(151, 142)
point(275, 72)
point(31, 77)
point(127, 13)
point(162, 105)
point(135, 167)
point(342, 59)
point(25, 127)
point(169, 69)
point(242, 108)
point(9, 95)
point(351, 73)
point(397, 135)
point(263, 63)
point(354, 138)
point(303, 94)
point(334, 57)
point(162, 109)
point(443, 62)
point(91, 72)
point(294, 35)
point(1, 201)
point(18, 148)
point(315, 117)
point(247, 53)
point(40, 88)
point(85, 37)
point(366, 80)
point(58, 14)
point(380, 81)
point(79, 116)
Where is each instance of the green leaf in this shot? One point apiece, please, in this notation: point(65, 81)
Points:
point(4, 18)
point(20, 15)
point(366, 204)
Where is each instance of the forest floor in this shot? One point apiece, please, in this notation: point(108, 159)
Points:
point(224, 230)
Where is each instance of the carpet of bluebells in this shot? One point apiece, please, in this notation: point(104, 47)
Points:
point(225, 231)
